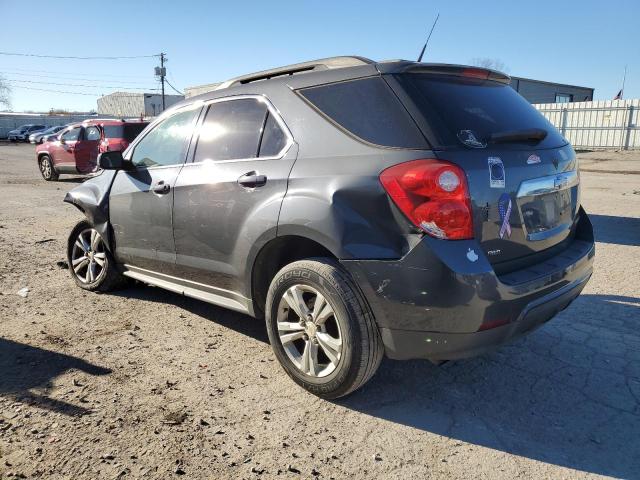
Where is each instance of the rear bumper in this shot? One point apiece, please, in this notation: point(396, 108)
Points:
point(406, 344)
point(438, 304)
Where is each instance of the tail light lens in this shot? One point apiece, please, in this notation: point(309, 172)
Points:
point(433, 194)
point(104, 145)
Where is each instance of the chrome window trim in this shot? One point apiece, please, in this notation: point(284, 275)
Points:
point(549, 184)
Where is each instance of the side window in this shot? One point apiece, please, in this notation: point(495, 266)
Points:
point(231, 130)
point(368, 109)
point(273, 138)
point(92, 133)
point(166, 144)
point(72, 135)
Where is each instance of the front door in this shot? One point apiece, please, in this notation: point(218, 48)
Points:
point(228, 200)
point(141, 200)
point(65, 149)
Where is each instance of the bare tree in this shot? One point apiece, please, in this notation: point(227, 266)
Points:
point(5, 94)
point(492, 63)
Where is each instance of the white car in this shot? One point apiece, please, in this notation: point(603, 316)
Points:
point(22, 133)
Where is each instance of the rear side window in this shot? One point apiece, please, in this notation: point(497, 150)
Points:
point(231, 130)
point(273, 138)
point(126, 132)
point(453, 106)
point(368, 109)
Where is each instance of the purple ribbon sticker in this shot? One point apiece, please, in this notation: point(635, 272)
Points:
point(504, 208)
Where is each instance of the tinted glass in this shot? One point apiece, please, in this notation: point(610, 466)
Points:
point(453, 104)
point(273, 138)
point(231, 130)
point(72, 135)
point(128, 131)
point(92, 133)
point(166, 144)
point(369, 110)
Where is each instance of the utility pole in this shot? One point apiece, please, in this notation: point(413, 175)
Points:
point(162, 75)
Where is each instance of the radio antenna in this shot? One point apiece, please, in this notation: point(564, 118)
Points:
point(427, 42)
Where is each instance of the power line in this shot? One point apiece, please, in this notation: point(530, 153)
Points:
point(66, 77)
point(78, 85)
point(77, 58)
point(74, 93)
point(178, 91)
point(119, 75)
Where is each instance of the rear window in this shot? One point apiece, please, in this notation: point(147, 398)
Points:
point(453, 106)
point(369, 110)
point(127, 131)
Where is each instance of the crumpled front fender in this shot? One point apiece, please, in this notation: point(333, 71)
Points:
point(92, 199)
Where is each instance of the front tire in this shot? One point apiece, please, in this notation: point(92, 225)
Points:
point(46, 168)
point(90, 263)
point(321, 328)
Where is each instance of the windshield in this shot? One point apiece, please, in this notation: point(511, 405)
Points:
point(468, 111)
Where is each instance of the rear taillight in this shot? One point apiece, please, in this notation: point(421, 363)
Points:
point(104, 145)
point(433, 194)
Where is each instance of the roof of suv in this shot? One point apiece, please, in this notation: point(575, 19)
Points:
point(316, 72)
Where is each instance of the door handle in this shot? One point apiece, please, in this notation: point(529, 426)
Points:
point(252, 180)
point(161, 188)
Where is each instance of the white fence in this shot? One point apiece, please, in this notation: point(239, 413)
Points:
point(604, 124)
point(11, 121)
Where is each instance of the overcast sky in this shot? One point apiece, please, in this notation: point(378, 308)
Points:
point(580, 42)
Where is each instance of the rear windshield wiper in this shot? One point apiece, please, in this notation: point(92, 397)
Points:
point(533, 135)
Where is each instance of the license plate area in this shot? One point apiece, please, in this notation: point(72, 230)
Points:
point(548, 205)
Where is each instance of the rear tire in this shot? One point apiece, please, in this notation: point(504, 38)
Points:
point(46, 168)
point(321, 328)
point(91, 265)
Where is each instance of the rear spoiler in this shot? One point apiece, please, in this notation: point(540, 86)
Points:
point(444, 69)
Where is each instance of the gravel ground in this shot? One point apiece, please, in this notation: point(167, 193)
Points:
point(148, 384)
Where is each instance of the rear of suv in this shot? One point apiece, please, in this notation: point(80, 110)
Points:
point(361, 208)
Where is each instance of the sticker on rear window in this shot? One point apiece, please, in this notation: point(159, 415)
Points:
point(496, 172)
point(533, 158)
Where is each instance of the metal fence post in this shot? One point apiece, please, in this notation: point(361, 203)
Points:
point(629, 126)
point(565, 114)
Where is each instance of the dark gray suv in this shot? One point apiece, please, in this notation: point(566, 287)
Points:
point(408, 209)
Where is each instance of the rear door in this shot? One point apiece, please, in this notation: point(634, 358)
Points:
point(141, 200)
point(521, 172)
point(228, 199)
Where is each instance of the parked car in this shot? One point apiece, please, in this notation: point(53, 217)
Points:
point(21, 134)
point(75, 149)
point(360, 208)
point(38, 137)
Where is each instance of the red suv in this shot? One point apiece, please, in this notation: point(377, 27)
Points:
point(76, 148)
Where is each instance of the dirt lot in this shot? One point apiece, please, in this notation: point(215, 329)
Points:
point(149, 384)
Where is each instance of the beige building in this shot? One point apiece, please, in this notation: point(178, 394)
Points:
point(128, 104)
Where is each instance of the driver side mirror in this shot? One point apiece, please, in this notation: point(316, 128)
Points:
point(113, 161)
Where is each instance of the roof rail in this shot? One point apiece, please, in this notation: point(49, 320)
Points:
point(313, 65)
